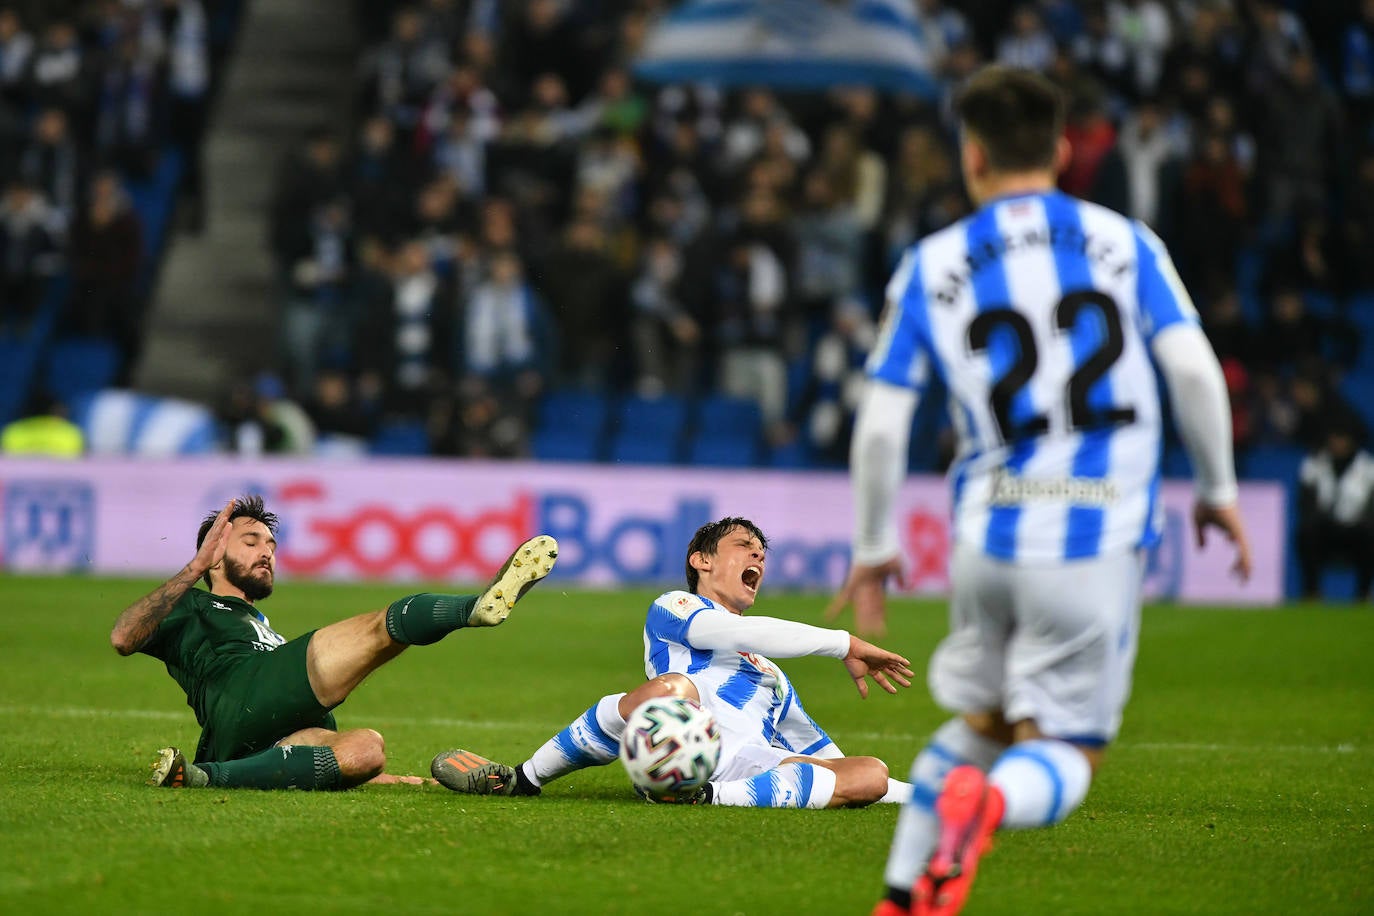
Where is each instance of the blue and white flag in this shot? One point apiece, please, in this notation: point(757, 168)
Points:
point(791, 44)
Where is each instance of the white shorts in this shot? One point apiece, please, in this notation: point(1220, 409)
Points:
point(1055, 644)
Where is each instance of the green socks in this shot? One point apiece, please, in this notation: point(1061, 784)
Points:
point(419, 620)
point(290, 767)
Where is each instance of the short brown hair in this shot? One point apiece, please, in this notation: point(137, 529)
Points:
point(250, 505)
point(707, 539)
point(1017, 116)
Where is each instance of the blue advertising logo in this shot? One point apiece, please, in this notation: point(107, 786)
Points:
point(49, 525)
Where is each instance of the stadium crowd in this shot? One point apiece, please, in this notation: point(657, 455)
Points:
point(510, 212)
point(91, 94)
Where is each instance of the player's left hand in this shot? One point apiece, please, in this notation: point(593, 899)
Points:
point(1227, 520)
point(867, 660)
point(866, 587)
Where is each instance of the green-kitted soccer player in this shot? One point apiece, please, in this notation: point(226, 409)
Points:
point(263, 702)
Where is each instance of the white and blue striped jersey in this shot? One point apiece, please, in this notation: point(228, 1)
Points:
point(750, 696)
point(1037, 312)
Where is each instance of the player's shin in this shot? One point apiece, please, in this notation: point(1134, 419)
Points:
point(1043, 782)
point(283, 767)
point(953, 744)
point(592, 739)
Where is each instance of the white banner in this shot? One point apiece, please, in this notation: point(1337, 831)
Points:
point(457, 520)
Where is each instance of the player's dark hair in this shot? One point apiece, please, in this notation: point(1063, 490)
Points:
point(1016, 115)
point(707, 539)
point(249, 505)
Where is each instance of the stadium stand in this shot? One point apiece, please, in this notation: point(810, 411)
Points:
point(651, 223)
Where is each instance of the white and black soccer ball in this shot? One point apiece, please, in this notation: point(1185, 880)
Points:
point(670, 747)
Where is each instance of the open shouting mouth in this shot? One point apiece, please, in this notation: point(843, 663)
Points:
point(751, 578)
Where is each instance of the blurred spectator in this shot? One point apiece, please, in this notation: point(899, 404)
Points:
point(318, 321)
point(1145, 30)
point(260, 420)
point(1212, 214)
point(51, 163)
point(185, 36)
point(829, 246)
point(1302, 148)
point(836, 380)
point(1336, 511)
point(406, 341)
point(1102, 52)
point(747, 132)
point(1152, 169)
point(749, 292)
point(58, 74)
point(1091, 137)
point(397, 76)
point(1294, 336)
point(922, 169)
point(107, 249)
point(31, 238)
point(502, 330)
point(666, 335)
point(1358, 226)
point(857, 176)
point(44, 431)
point(308, 177)
point(132, 110)
point(16, 54)
point(539, 38)
point(1357, 72)
point(340, 418)
point(1227, 330)
point(379, 180)
point(586, 295)
point(1028, 43)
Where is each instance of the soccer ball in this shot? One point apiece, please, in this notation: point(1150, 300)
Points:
point(670, 748)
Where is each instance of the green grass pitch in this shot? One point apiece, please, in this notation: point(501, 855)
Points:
point(1240, 784)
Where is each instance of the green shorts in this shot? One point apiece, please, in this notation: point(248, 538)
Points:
point(259, 700)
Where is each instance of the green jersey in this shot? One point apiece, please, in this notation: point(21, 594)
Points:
point(203, 639)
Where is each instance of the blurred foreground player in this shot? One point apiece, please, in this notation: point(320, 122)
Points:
point(1047, 318)
point(698, 644)
point(264, 703)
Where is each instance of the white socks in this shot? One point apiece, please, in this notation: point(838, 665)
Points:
point(953, 743)
point(1043, 781)
point(593, 739)
point(792, 785)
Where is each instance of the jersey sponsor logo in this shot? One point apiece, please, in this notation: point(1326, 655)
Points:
point(48, 524)
point(1010, 490)
point(267, 638)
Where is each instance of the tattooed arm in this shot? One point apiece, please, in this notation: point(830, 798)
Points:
point(140, 620)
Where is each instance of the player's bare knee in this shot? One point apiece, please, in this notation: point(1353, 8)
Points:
point(665, 685)
point(361, 753)
point(870, 780)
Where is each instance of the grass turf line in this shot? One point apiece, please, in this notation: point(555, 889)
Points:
point(1240, 783)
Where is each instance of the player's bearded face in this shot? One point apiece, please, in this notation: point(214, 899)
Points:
point(253, 579)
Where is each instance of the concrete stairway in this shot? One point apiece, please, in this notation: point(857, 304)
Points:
point(214, 311)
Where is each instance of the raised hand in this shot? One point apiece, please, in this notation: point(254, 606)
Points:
point(216, 542)
point(866, 588)
point(867, 660)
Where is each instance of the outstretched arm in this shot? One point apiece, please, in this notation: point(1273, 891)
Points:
point(140, 620)
point(778, 638)
point(877, 461)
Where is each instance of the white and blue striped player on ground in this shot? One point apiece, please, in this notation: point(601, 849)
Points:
point(1047, 318)
point(698, 644)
